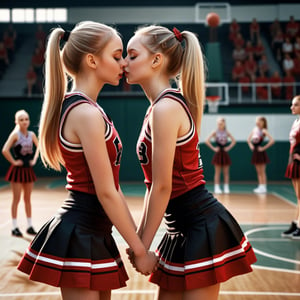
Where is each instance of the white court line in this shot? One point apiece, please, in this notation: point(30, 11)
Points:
point(284, 198)
point(276, 269)
point(263, 253)
point(4, 224)
point(254, 293)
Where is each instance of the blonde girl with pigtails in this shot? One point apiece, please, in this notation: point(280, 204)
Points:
point(203, 244)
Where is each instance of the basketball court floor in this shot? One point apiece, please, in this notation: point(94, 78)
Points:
point(276, 274)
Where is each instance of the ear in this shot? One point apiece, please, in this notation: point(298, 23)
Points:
point(91, 61)
point(157, 60)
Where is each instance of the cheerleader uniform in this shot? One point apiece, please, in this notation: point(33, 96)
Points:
point(293, 167)
point(75, 249)
point(204, 244)
point(258, 157)
point(221, 157)
point(22, 149)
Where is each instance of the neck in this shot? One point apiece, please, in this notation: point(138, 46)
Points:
point(87, 85)
point(154, 88)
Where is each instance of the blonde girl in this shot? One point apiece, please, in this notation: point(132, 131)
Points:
point(260, 157)
point(293, 168)
point(201, 234)
point(75, 250)
point(20, 173)
point(221, 160)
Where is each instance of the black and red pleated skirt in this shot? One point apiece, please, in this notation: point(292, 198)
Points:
point(259, 157)
point(221, 158)
point(75, 249)
point(203, 245)
point(293, 169)
point(20, 174)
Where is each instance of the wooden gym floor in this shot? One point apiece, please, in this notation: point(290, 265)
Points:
point(276, 275)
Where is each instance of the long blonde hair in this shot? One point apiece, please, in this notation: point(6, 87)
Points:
point(86, 37)
point(184, 59)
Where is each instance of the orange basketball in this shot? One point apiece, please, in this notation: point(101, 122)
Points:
point(213, 19)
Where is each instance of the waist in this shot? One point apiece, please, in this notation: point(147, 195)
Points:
point(85, 210)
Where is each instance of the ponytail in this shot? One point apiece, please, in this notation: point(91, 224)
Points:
point(55, 88)
point(86, 37)
point(192, 79)
point(185, 57)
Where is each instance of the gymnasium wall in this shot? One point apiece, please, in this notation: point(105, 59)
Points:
point(128, 113)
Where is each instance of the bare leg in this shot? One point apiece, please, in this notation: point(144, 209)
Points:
point(84, 294)
point(296, 184)
point(168, 295)
point(27, 187)
point(226, 174)
point(210, 292)
point(261, 173)
point(16, 190)
point(217, 174)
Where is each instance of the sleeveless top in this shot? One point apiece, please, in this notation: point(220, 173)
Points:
point(23, 148)
point(257, 137)
point(221, 138)
point(294, 137)
point(187, 168)
point(78, 174)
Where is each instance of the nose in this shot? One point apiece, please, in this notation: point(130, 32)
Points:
point(124, 62)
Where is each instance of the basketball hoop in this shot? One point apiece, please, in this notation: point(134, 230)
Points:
point(213, 103)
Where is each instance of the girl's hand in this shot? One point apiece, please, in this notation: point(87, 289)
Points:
point(32, 163)
point(296, 156)
point(260, 149)
point(216, 149)
point(145, 264)
point(18, 163)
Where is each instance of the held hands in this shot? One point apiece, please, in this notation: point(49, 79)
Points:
point(145, 264)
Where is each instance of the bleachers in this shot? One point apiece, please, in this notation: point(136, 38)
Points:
point(13, 82)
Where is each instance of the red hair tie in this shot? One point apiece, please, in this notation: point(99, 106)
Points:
point(178, 34)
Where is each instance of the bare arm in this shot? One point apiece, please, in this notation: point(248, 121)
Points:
point(144, 213)
point(36, 154)
point(165, 130)
point(249, 142)
point(208, 142)
point(87, 124)
point(13, 137)
point(270, 140)
point(232, 143)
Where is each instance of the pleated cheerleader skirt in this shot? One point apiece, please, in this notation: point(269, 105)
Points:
point(259, 157)
point(221, 158)
point(20, 174)
point(293, 169)
point(75, 249)
point(203, 245)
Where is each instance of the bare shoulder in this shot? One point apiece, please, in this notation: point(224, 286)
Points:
point(84, 115)
point(168, 106)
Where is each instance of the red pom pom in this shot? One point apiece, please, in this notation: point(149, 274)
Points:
point(213, 19)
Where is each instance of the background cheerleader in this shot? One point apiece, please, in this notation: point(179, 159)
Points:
point(259, 156)
point(221, 160)
point(21, 174)
point(293, 168)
